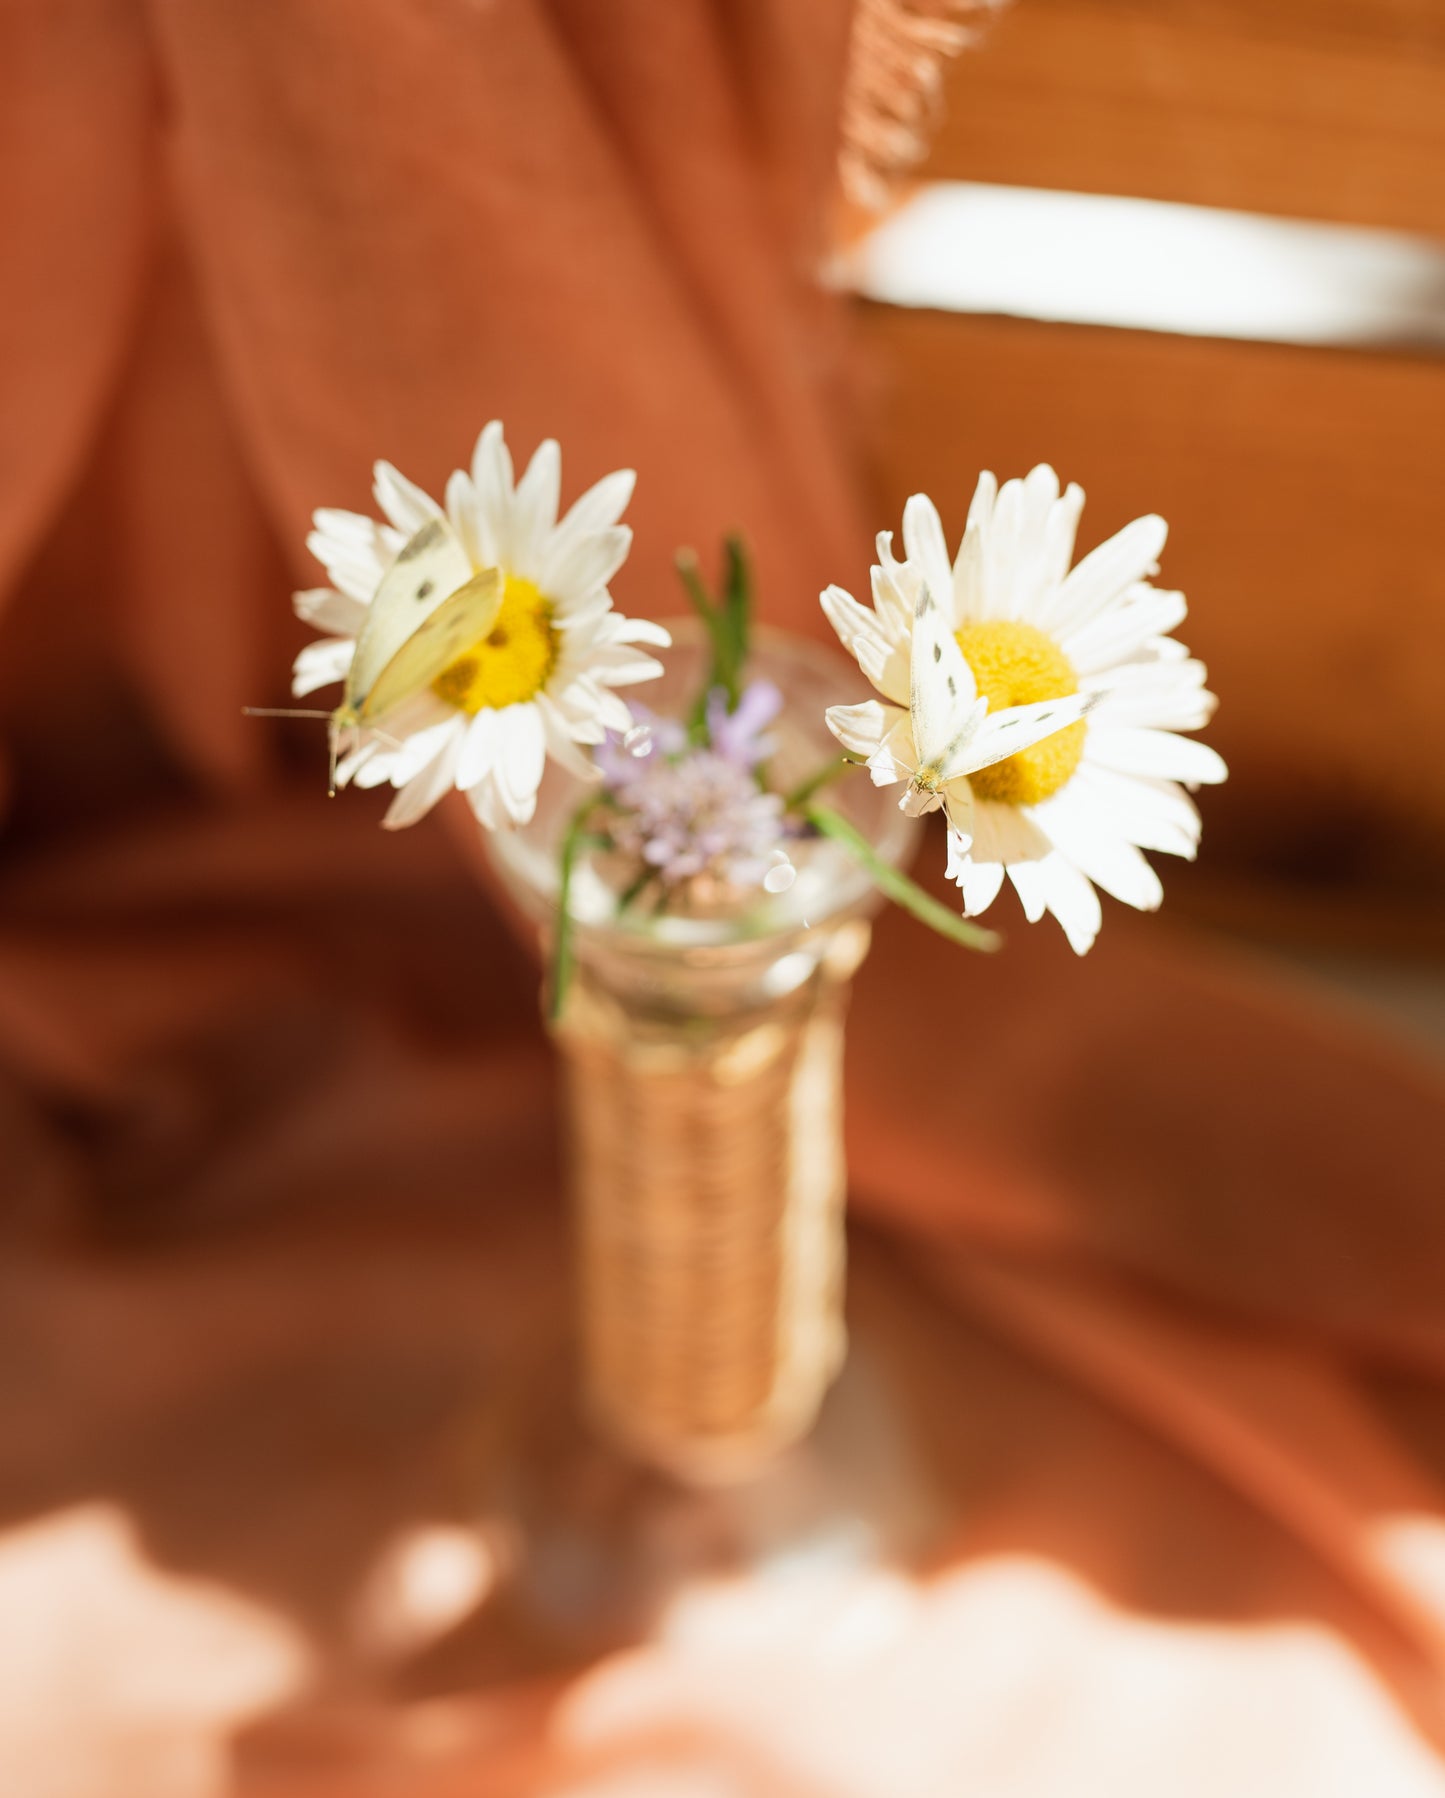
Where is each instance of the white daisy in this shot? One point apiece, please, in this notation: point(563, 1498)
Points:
point(540, 683)
point(1074, 810)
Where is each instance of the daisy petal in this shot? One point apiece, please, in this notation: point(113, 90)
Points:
point(403, 502)
point(896, 756)
point(1059, 534)
point(586, 565)
point(1031, 885)
point(422, 792)
point(492, 484)
point(1003, 833)
point(1122, 631)
point(1003, 552)
point(328, 610)
point(968, 578)
point(355, 568)
point(620, 629)
point(480, 748)
point(485, 800)
point(375, 770)
point(461, 507)
point(1033, 578)
point(522, 756)
point(350, 765)
point(923, 540)
point(423, 747)
point(894, 597)
point(320, 664)
point(601, 505)
point(861, 728)
point(341, 526)
point(1103, 575)
point(1151, 814)
point(1073, 902)
point(1081, 833)
point(1158, 753)
point(1163, 694)
point(534, 510)
point(616, 665)
point(979, 882)
point(883, 659)
point(560, 744)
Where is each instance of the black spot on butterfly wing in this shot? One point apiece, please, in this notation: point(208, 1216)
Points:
point(426, 589)
point(938, 652)
point(1041, 718)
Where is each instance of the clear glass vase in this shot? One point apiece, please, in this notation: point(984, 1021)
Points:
point(703, 1059)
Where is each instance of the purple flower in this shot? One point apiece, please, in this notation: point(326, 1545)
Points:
point(735, 736)
point(691, 811)
point(698, 814)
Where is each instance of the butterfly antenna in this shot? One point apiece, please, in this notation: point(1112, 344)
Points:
point(333, 745)
point(272, 711)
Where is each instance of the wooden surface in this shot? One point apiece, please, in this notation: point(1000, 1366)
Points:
point(1330, 109)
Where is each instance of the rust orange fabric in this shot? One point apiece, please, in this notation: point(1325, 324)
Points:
point(1153, 1242)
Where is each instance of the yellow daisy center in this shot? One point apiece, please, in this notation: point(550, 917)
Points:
point(1018, 664)
point(511, 663)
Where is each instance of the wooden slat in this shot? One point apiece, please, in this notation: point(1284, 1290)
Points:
point(1303, 493)
point(1329, 109)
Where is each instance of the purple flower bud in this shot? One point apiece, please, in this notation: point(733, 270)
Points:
point(735, 736)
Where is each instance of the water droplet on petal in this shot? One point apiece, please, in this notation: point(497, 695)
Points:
point(638, 741)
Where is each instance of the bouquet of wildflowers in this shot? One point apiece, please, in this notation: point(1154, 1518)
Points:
point(1036, 702)
point(710, 841)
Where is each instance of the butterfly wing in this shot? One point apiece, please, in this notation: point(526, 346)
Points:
point(431, 567)
point(942, 696)
point(461, 620)
point(1019, 727)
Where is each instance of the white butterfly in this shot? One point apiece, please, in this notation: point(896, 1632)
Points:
point(429, 609)
point(954, 733)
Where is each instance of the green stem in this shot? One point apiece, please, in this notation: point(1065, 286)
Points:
point(691, 574)
point(896, 885)
point(635, 889)
point(575, 839)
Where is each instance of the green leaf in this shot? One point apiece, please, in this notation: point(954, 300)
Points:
point(896, 885)
point(737, 614)
point(728, 622)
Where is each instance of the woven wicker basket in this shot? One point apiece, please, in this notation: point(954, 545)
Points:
point(708, 1180)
